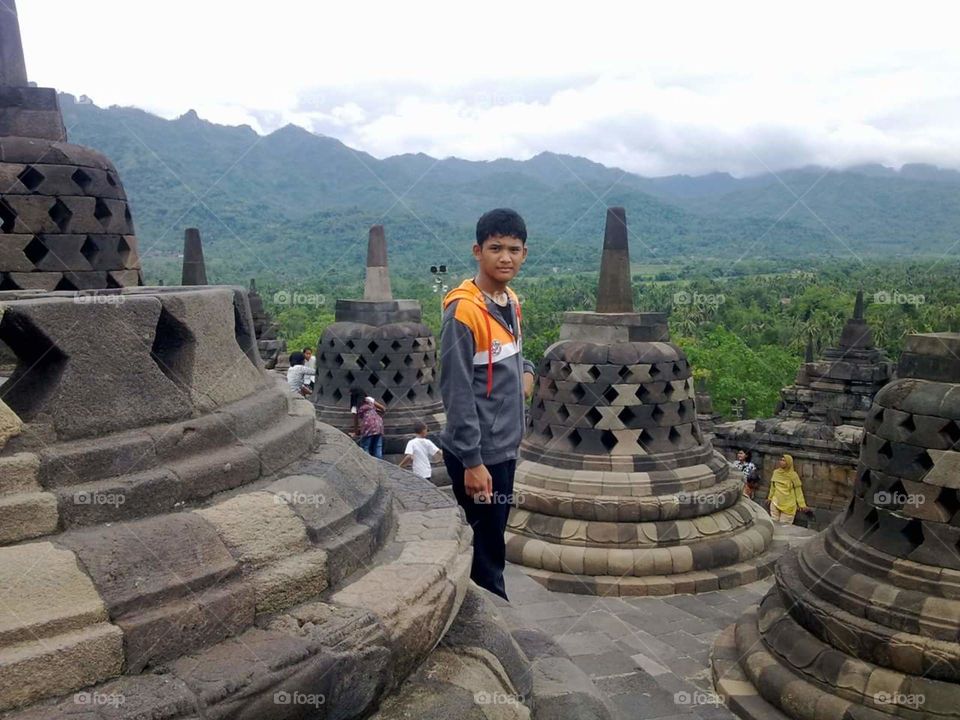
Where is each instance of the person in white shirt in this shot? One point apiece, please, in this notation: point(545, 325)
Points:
point(420, 452)
point(298, 374)
point(310, 360)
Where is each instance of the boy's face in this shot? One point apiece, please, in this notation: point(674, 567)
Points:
point(500, 257)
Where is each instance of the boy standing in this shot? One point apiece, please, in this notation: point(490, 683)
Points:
point(420, 452)
point(484, 379)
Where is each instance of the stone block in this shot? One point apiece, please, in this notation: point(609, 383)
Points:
point(257, 527)
point(72, 379)
point(27, 515)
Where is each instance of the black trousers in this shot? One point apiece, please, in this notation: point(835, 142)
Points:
point(488, 520)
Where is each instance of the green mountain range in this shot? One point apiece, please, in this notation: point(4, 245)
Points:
point(293, 204)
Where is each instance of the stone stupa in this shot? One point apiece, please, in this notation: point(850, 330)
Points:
point(864, 621)
point(64, 217)
point(618, 491)
point(820, 417)
point(381, 347)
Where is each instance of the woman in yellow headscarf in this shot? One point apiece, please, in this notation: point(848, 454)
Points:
point(786, 492)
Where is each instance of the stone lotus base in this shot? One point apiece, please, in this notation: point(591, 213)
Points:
point(659, 532)
point(768, 665)
point(335, 576)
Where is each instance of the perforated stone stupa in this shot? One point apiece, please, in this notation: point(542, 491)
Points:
point(864, 621)
point(64, 219)
point(820, 417)
point(618, 491)
point(380, 347)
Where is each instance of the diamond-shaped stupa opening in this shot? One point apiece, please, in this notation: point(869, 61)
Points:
point(31, 178)
point(627, 416)
point(578, 392)
point(611, 395)
point(593, 372)
point(951, 431)
point(8, 217)
point(60, 214)
point(574, 438)
point(81, 179)
point(89, 250)
point(608, 440)
point(913, 532)
point(948, 501)
point(594, 416)
point(35, 250)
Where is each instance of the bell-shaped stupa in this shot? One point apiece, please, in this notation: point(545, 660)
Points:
point(64, 219)
point(380, 347)
point(864, 620)
point(618, 491)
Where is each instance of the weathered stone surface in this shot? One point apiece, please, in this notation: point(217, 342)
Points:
point(198, 349)
point(479, 625)
point(27, 515)
point(65, 379)
point(54, 637)
point(457, 683)
point(10, 424)
point(167, 581)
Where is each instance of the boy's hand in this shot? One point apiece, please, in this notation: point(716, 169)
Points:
point(528, 385)
point(478, 483)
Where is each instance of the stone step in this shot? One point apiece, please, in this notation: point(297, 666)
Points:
point(60, 664)
point(18, 473)
point(732, 684)
point(169, 582)
point(27, 515)
point(54, 634)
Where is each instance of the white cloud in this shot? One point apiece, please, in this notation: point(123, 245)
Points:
point(686, 88)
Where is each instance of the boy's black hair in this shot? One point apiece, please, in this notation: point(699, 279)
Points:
point(306, 350)
point(747, 455)
point(296, 358)
point(502, 221)
point(419, 427)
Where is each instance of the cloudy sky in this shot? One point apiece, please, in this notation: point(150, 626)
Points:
point(689, 88)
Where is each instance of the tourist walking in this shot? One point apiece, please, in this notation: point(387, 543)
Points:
point(420, 452)
point(786, 492)
point(751, 476)
point(483, 381)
